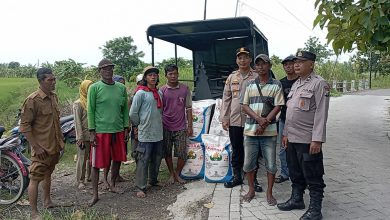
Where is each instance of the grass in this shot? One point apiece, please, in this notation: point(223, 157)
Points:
point(13, 92)
point(380, 82)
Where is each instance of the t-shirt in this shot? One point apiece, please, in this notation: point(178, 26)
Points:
point(273, 90)
point(175, 101)
point(286, 86)
point(146, 116)
point(107, 107)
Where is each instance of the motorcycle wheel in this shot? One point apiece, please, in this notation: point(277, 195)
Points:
point(12, 181)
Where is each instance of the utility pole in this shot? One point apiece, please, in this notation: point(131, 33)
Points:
point(205, 8)
point(235, 14)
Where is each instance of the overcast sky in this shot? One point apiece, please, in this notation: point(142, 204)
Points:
point(51, 30)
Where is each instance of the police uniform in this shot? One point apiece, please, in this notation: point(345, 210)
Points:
point(307, 113)
point(231, 113)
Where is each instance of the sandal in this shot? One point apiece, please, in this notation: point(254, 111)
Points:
point(281, 179)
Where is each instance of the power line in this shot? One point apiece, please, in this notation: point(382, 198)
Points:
point(292, 14)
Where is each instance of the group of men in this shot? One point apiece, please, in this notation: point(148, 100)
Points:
point(257, 108)
point(254, 111)
point(160, 119)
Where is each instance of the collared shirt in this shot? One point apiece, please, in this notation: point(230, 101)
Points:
point(40, 115)
point(80, 121)
point(272, 90)
point(175, 102)
point(307, 110)
point(231, 111)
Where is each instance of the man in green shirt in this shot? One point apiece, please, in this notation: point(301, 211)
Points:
point(108, 123)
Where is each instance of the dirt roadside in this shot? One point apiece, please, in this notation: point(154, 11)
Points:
point(110, 205)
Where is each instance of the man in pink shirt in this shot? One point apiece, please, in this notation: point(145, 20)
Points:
point(177, 104)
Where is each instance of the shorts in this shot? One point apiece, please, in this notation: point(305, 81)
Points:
point(39, 168)
point(252, 146)
point(109, 146)
point(176, 139)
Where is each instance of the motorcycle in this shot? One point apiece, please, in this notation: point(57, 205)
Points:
point(13, 169)
point(14, 165)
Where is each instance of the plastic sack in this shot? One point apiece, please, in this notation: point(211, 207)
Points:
point(217, 159)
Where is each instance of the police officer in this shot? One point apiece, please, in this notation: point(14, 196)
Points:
point(304, 133)
point(232, 116)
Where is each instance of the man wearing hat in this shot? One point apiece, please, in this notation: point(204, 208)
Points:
point(287, 82)
point(261, 101)
point(304, 133)
point(232, 116)
point(108, 123)
point(146, 114)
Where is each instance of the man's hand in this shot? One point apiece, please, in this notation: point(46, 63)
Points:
point(259, 131)
point(40, 152)
point(225, 126)
point(190, 131)
point(315, 147)
point(285, 142)
point(126, 132)
point(135, 130)
point(92, 138)
point(79, 142)
point(263, 122)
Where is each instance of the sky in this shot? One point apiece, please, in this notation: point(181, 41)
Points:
point(40, 31)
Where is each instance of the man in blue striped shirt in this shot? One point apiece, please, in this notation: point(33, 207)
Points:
point(260, 127)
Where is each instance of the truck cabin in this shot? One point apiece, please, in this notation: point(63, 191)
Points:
point(213, 43)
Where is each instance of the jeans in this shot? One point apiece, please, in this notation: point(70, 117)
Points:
point(149, 156)
point(282, 152)
point(267, 145)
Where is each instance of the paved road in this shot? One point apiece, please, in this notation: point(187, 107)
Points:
point(356, 157)
point(357, 161)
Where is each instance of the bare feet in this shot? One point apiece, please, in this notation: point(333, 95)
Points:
point(93, 201)
point(249, 196)
point(120, 179)
point(271, 200)
point(81, 186)
point(172, 179)
point(49, 205)
point(106, 185)
point(141, 194)
point(179, 179)
point(115, 190)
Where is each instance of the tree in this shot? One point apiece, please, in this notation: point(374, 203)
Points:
point(14, 65)
point(314, 45)
point(69, 71)
point(181, 63)
point(123, 53)
point(365, 23)
point(275, 59)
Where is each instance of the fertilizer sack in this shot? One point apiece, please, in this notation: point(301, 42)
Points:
point(216, 124)
point(201, 115)
point(194, 167)
point(217, 159)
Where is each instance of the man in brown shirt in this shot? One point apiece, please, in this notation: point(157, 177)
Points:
point(40, 124)
point(232, 116)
